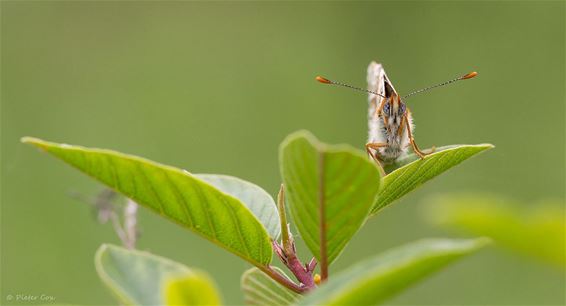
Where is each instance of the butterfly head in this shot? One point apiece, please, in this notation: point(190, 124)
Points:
point(393, 110)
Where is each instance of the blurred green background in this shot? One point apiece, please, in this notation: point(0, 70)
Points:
point(215, 87)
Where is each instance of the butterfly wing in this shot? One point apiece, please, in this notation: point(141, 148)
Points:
point(377, 82)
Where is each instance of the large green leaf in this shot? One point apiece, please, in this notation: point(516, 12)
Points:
point(373, 281)
point(338, 180)
point(254, 197)
point(536, 230)
point(410, 172)
point(141, 278)
point(259, 289)
point(196, 289)
point(174, 193)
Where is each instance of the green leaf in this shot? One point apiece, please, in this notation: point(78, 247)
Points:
point(339, 179)
point(259, 289)
point(196, 289)
point(410, 172)
point(175, 194)
point(140, 278)
point(379, 278)
point(536, 230)
point(254, 197)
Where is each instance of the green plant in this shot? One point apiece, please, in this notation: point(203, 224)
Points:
point(535, 230)
point(330, 191)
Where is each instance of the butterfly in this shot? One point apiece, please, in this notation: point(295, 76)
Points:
point(390, 122)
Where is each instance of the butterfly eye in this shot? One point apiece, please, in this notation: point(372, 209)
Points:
point(401, 109)
point(386, 109)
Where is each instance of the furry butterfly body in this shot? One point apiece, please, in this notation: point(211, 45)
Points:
point(389, 120)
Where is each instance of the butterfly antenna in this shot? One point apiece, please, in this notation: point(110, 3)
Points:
point(464, 77)
point(327, 81)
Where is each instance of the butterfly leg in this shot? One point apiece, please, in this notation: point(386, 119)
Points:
point(375, 156)
point(420, 153)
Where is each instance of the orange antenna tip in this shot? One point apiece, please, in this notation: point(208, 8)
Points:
point(469, 75)
point(323, 80)
point(464, 77)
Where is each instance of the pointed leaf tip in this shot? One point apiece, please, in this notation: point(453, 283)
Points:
point(31, 140)
point(411, 172)
point(27, 139)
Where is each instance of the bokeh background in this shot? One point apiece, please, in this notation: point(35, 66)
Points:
point(215, 87)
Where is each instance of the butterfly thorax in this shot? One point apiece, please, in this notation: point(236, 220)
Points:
point(392, 115)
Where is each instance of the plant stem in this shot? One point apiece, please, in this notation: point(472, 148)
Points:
point(287, 251)
point(302, 274)
point(282, 279)
point(322, 221)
